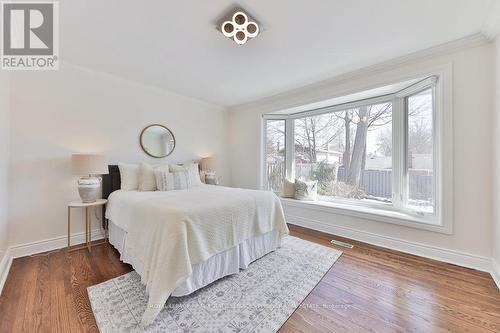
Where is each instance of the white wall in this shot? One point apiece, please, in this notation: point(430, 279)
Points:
point(4, 158)
point(54, 114)
point(496, 202)
point(472, 113)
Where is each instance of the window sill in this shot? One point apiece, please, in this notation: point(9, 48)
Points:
point(369, 213)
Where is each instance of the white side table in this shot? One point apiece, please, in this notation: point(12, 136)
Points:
point(88, 223)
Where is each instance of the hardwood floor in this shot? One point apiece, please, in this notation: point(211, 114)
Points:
point(369, 289)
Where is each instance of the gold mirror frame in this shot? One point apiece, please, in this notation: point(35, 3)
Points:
point(144, 148)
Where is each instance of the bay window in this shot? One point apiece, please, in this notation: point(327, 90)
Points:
point(377, 154)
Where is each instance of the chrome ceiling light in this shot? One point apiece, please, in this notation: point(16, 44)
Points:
point(240, 28)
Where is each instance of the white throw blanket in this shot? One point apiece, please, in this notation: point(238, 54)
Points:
point(168, 232)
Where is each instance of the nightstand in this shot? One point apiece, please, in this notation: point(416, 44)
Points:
point(88, 222)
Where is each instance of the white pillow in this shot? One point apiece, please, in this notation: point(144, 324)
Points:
point(145, 173)
point(129, 175)
point(288, 190)
point(306, 190)
point(147, 181)
point(192, 169)
point(168, 181)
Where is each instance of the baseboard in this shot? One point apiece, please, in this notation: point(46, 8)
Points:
point(450, 256)
point(5, 263)
point(45, 245)
point(50, 244)
point(495, 272)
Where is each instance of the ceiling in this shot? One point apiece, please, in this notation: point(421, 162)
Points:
point(174, 45)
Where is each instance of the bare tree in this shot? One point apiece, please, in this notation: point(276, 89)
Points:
point(419, 131)
point(384, 143)
point(275, 135)
point(420, 137)
point(346, 117)
point(358, 150)
point(314, 133)
point(368, 117)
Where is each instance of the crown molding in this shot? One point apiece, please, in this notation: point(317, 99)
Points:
point(491, 27)
point(290, 98)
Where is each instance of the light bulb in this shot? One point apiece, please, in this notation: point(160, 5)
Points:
point(252, 29)
point(228, 29)
point(240, 37)
point(240, 19)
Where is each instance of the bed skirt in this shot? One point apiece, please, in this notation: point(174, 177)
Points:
point(216, 267)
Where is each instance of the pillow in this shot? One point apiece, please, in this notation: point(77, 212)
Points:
point(147, 181)
point(168, 181)
point(192, 169)
point(129, 175)
point(288, 190)
point(306, 190)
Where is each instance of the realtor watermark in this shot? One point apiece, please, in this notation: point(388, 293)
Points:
point(30, 35)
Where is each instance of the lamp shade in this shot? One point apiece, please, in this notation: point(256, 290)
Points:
point(89, 164)
point(207, 164)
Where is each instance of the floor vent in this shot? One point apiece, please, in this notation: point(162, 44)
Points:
point(336, 242)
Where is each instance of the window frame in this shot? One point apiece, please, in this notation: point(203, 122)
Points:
point(401, 141)
point(397, 212)
point(264, 185)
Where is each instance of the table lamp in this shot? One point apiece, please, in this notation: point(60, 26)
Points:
point(88, 166)
point(208, 166)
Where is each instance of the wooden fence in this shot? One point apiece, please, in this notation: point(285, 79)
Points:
point(378, 183)
point(275, 174)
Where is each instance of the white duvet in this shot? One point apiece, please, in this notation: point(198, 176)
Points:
point(170, 231)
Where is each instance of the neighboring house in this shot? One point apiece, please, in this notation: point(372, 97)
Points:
point(329, 156)
point(418, 161)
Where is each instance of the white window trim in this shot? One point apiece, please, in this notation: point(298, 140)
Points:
point(288, 161)
point(443, 158)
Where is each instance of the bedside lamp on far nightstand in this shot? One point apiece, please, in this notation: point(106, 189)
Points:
point(208, 166)
point(89, 165)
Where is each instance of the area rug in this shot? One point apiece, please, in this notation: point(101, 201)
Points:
point(258, 299)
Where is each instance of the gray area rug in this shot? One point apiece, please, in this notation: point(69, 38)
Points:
point(258, 299)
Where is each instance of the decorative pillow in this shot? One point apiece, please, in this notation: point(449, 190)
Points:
point(162, 180)
point(192, 169)
point(129, 175)
point(306, 190)
point(288, 190)
point(147, 181)
point(168, 181)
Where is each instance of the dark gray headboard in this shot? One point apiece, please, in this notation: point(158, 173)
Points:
point(110, 183)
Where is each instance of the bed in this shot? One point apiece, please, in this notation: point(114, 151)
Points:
point(180, 241)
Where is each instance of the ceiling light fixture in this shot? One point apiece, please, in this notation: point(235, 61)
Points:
point(240, 28)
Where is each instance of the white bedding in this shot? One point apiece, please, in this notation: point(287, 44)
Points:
point(169, 232)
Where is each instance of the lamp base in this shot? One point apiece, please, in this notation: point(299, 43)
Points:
point(88, 188)
point(211, 178)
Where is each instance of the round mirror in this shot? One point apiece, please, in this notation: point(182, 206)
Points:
point(157, 141)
